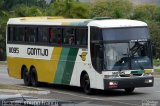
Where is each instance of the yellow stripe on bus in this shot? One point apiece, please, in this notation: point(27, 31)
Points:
point(46, 69)
point(54, 61)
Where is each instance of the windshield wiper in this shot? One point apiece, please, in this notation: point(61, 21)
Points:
point(133, 51)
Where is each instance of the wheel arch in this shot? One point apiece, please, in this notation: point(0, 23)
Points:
point(81, 76)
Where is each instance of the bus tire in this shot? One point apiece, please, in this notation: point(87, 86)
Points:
point(85, 84)
point(26, 77)
point(129, 90)
point(34, 77)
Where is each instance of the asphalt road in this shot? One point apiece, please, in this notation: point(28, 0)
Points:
point(140, 97)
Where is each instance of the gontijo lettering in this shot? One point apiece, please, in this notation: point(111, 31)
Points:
point(37, 51)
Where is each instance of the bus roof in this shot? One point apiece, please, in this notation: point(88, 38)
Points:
point(60, 21)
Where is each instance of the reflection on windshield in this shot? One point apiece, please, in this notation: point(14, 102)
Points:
point(113, 54)
point(140, 55)
point(123, 56)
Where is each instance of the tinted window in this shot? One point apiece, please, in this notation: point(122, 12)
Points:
point(10, 34)
point(19, 34)
point(96, 34)
point(69, 36)
point(43, 34)
point(96, 54)
point(55, 35)
point(31, 34)
point(125, 34)
point(81, 36)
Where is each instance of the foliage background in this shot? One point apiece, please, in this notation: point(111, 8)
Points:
point(73, 9)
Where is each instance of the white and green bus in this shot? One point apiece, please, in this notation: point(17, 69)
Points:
point(94, 53)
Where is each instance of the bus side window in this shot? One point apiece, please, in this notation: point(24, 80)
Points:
point(95, 34)
point(31, 34)
point(96, 58)
point(52, 35)
point(10, 34)
point(69, 36)
point(55, 35)
point(43, 35)
point(19, 34)
point(81, 36)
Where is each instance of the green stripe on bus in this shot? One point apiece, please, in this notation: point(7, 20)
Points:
point(137, 72)
point(61, 65)
point(69, 66)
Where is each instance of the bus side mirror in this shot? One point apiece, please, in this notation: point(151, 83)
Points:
point(153, 51)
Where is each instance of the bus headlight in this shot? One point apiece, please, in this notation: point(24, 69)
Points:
point(113, 84)
point(148, 81)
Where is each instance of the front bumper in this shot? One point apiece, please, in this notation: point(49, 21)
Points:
point(122, 83)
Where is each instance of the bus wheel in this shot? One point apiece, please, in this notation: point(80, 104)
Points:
point(26, 77)
point(85, 84)
point(34, 78)
point(129, 90)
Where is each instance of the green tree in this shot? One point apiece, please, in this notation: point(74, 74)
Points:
point(69, 9)
point(155, 38)
point(2, 38)
point(4, 17)
point(1, 4)
point(24, 11)
point(42, 3)
point(111, 8)
point(9, 4)
point(146, 12)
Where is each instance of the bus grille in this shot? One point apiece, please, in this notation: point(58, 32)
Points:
point(130, 75)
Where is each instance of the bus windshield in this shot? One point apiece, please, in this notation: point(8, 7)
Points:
point(132, 53)
point(124, 56)
point(121, 49)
